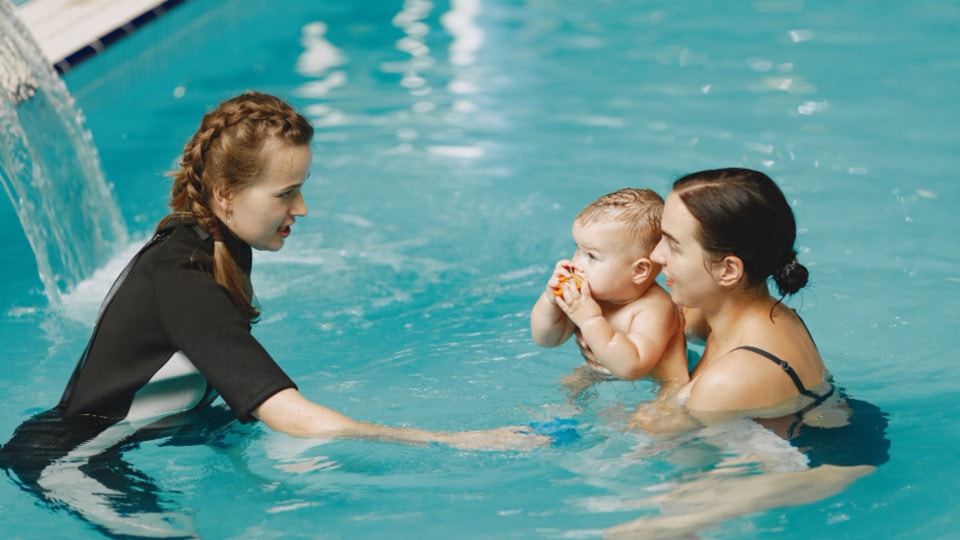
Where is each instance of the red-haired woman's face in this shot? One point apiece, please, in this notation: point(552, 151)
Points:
point(261, 214)
point(684, 263)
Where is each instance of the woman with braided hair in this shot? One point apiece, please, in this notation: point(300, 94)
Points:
point(725, 234)
point(174, 331)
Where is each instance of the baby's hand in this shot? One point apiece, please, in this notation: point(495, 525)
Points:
point(574, 278)
point(578, 303)
point(564, 272)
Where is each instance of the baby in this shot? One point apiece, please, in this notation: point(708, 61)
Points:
point(625, 322)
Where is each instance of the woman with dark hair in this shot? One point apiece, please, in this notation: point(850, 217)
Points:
point(725, 234)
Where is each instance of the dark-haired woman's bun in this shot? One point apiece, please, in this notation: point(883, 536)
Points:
point(791, 276)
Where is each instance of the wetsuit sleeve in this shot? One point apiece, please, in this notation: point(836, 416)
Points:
point(202, 322)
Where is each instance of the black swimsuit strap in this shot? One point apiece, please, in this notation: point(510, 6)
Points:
point(786, 367)
point(817, 398)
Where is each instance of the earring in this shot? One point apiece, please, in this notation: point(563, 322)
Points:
point(229, 215)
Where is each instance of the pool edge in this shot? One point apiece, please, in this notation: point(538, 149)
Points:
point(71, 31)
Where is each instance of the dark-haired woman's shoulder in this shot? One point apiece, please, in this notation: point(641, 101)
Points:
point(738, 380)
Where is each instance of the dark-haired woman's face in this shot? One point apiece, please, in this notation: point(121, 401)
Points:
point(682, 258)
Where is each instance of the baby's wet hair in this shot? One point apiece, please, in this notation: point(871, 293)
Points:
point(639, 210)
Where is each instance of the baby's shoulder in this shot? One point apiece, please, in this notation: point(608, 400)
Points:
point(655, 299)
point(654, 310)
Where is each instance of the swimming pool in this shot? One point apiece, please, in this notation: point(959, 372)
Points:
point(456, 141)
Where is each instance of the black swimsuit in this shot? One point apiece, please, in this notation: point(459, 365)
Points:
point(861, 442)
point(818, 399)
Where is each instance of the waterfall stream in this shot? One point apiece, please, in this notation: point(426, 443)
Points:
point(49, 166)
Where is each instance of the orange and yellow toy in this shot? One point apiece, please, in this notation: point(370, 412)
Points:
point(577, 280)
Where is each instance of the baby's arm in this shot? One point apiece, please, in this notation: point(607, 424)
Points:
point(633, 354)
point(549, 325)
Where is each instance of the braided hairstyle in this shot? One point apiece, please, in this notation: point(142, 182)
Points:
point(228, 152)
point(742, 212)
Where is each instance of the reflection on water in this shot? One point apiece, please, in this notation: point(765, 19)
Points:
point(80, 466)
point(456, 141)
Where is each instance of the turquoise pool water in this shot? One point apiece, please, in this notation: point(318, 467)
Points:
point(456, 141)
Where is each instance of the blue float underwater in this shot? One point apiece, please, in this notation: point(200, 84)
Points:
point(561, 430)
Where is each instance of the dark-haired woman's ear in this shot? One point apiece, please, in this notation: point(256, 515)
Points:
point(729, 271)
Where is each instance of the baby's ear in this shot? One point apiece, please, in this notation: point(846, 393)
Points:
point(643, 269)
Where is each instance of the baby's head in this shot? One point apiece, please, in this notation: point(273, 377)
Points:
point(638, 211)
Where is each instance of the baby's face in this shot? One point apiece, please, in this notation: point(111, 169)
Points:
point(605, 257)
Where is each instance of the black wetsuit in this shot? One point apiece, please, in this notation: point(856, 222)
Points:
point(168, 341)
point(861, 441)
point(169, 303)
